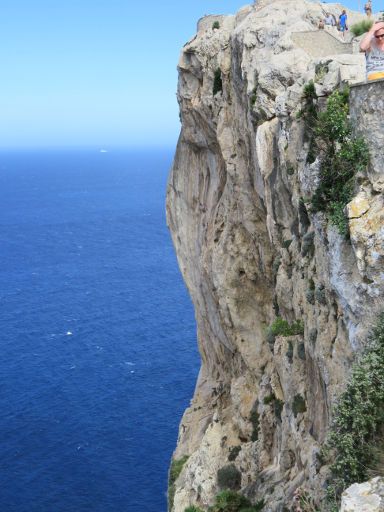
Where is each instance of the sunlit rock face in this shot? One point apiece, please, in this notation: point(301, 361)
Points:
point(365, 497)
point(250, 250)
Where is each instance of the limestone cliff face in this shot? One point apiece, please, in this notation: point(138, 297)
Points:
point(250, 250)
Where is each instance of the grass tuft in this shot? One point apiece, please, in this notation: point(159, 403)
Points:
point(174, 473)
point(360, 28)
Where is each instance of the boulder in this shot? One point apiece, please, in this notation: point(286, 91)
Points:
point(365, 497)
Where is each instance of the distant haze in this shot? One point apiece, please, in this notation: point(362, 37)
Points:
point(94, 73)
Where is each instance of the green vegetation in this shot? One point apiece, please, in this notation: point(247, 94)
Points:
point(174, 473)
point(257, 507)
point(255, 420)
point(215, 24)
point(360, 28)
point(229, 477)
point(287, 243)
point(217, 82)
point(298, 405)
point(309, 112)
point(310, 295)
point(358, 419)
point(281, 327)
point(253, 97)
point(233, 453)
point(290, 170)
point(303, 215)
point(275, 306)
point(269, 399)
point(276, 403)
point(376, 465)
point(278, 408)
point(342, 154)
point(320, 71)
point(289, 352)
point(320, 295)
point(308, 245)
point(230, 501)
point(305, 502)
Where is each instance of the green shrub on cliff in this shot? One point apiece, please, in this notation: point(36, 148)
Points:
point(255, 422)
point(217, 82)
point(310, 97)
point(234, 452)
point(358, 418)
point(174, 473)
point(281, 327)
point(342, 155)
point(298, 405)
point(229, 477)
point(230, 501)
point(276, 403)
point(360, 28)
point(289, 352)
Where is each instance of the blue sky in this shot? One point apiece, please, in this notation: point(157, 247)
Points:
point(94, 72)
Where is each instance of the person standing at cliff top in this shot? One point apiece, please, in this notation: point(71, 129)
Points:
point(373, 46)
point(343, 22)
point(368, 8)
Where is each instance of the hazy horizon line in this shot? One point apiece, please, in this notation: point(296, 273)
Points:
point(91, 147)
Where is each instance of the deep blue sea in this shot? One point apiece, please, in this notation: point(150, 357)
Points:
point(97, 334)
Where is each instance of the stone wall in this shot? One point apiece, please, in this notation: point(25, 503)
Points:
point(206, 22)
point(320, 43)
point(367, 103)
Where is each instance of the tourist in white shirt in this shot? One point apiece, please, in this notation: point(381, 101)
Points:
point(329, 20)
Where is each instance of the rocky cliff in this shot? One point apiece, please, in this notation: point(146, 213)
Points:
point(253, 252)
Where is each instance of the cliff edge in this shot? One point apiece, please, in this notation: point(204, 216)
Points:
point(283, 297)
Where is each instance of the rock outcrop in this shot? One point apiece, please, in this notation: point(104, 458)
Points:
point(250, 250)
point(365, 497)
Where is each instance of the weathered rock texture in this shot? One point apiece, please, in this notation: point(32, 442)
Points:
point(250, 250)
point(366, 497)
point(321, 43)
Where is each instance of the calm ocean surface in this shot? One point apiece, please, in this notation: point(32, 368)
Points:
point(98, 350)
